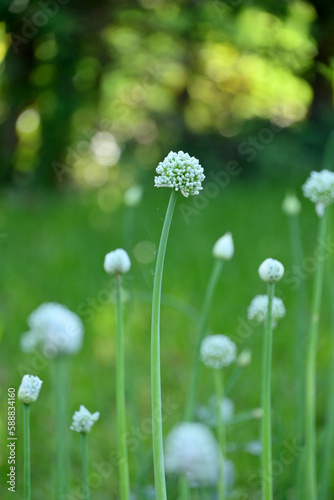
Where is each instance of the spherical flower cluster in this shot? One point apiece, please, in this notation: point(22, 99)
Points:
point(83, 420)
point(29, 389)
point(258, 310)
point(291, 205)
point(117, 261)
point(319, 187)
point(57, 329)
point(271, 270)
point(191, 449)
point(218, 351)
point(180, 172)
point(208, 414)
point(224, 248)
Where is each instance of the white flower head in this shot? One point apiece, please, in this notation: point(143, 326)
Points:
point(320, 209)
point(181, 172)
point(83, 420)
point(218, 351)
point(291, 205)
point(57, 329)
point(271, 270)
point(258, 310)
point(117, 262)
point(191, 449)
point(224, 248)
point(29, 389)
point(319, 187)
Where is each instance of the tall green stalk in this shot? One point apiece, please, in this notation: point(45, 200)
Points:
point(191, 397)
point(311, 355)
point(85, 467)
point(120, 395)
point(158, 453)
point(26, 427)
point(266, 457)
point(61, 427)
point(301, 327)
point(219, 388)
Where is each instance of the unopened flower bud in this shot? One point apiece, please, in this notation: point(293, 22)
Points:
point(271, 270)
point(117, 262)
point(224, 248)
point(29, 389)
point(291, 205)
point(244, 359)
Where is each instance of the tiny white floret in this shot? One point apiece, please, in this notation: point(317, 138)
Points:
point(181, 172)
point(117, 262)
point(258, 310)
point(271, 270)
point(218, 351)
point(224, 248)
point(83, 420)
point(29, 389)
point(319, 187)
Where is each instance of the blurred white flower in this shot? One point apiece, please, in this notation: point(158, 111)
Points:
point(218, 351)
point(291, 205)
point(132, 197)
point(254, 447)
point(320, 209)
point(208, 414)
point(224, 248)
point(180, 172)
point(117, 261)
point(191, 449)
point(83, 420)
point(244, 359)
point(57, 329)
point(29, 389)
point(319, 187)
point(258, 310)
point(271, 270)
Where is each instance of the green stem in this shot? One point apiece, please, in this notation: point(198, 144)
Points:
point(297, 257)
point(184, 490)
point(26, 425)
point(219, 387)
point(158, 453)
point(311, 355)
point(120, 395)
point(267, 487)
point(61, 427)
point(191, 397)
point(85, 467)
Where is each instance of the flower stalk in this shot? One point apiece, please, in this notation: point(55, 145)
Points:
point(61, 426)
point(266, 458)
point(26, 426)
point(195, 374)
point(311, 354)
point(157, 436)
point(120, 394)
point(85, 466)
point(219, 388)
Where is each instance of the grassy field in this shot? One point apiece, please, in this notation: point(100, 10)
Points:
point(53, 250)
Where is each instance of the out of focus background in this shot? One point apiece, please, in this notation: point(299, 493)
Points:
point(93, 96)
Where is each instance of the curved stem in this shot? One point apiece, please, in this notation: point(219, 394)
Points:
point(26, 426)
point(267, 487)
point(120, 395)
point(158, 453)
point(219, 386)
point(311, 355)
point(85, 467)
point(191, 398)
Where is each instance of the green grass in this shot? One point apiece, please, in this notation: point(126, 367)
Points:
point(54, 251)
